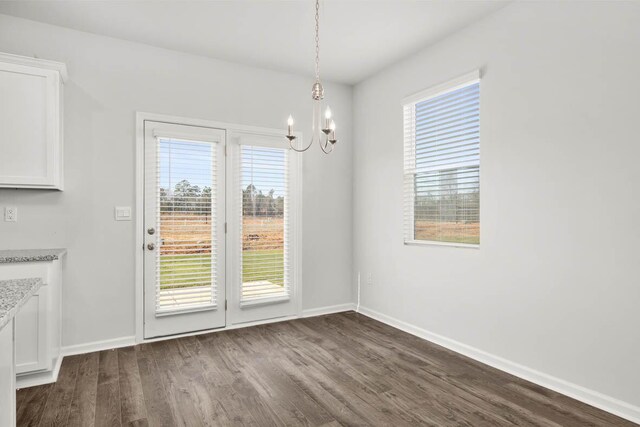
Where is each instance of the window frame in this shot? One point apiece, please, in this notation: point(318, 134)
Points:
point(409, 149)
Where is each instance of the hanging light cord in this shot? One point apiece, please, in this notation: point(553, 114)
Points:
point(317, 40)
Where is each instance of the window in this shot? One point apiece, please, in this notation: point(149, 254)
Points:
point(442, 163)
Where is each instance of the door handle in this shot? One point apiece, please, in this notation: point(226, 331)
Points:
point(151, 246)
point(151, 231)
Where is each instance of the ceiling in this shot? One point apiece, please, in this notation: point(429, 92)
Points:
point(357, 37)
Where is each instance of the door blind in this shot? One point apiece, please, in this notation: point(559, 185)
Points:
point(442, 166)
point(186, 218)
point(264, 226)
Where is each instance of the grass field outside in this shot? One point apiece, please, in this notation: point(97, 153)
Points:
point(452, 232)
point(177, 271)
point(260, 265)
point(185, 259)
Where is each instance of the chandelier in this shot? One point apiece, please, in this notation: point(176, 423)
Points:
point(322, 132)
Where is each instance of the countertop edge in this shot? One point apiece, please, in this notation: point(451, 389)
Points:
point(34, 284)
point(31, 255)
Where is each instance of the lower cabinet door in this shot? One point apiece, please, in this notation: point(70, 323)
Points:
point(31, 335)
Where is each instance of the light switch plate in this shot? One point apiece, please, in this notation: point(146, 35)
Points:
point(11, 214)
point(123, 213)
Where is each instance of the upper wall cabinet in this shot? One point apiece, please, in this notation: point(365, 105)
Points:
point(31, 122)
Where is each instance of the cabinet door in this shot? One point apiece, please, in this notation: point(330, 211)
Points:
point(30, 137)
point(31, 327)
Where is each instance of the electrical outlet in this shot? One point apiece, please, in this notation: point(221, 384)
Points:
point(369, 279)
point(11, 214)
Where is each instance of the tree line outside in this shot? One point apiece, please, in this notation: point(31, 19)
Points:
point(190, 198)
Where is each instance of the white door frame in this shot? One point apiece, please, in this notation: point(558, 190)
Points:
point(141, 117)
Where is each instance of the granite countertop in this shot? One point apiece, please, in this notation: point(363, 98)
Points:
point(13, 295)
point(30, 255)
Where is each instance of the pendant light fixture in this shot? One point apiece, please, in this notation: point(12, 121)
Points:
point(324, 132)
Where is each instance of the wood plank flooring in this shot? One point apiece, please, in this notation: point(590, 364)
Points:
point(340, 369)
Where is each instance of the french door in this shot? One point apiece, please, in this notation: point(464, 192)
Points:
point(221, 212)
point(184, 228)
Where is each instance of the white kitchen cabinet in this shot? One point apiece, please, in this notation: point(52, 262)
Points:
point(31, 122)
point(38, 323)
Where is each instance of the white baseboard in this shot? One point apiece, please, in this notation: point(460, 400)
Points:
point(39, 378)
point(590, 397)
point(328, 310)
point(98, 346)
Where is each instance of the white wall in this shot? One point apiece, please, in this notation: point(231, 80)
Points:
point(109, 81)
point(555, 285)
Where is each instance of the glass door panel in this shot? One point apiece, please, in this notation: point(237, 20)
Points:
point(262, 236)
point(263, 180)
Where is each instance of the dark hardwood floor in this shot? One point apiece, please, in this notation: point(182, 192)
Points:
point(341, 369)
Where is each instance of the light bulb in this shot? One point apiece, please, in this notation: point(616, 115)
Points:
point(290, 125)
point(327, 117)
point(332, 126)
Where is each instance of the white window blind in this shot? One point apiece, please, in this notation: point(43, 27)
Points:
point(187, 253)
point(265, 221)
point(442, 164)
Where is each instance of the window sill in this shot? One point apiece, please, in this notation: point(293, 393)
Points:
point(261, 301)
point(183, 310)
point(434, 243)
